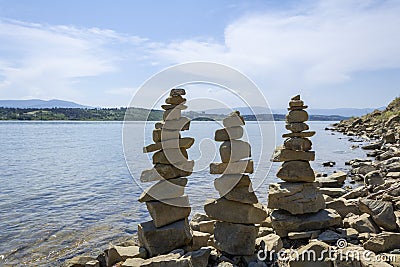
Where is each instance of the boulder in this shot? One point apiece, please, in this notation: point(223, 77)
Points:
point(363, 224)
point(270, 243)
point(284, 222)
point(235, 212)
point(304, 235)
point(383, 242)
point(344, 206)
point(382, 212)
point(296, 198)
point(296, 171)
point(244, 237)
point(165, 189)
point(163, 213)
point(170, 156)
point(238, 167)
point(230, 133)
point(207, 227)
point(236, 187)
point(282, 154)
point(117, 254)
point(185, 142)
point(196, 219)
point(173, 259)
point(297, 143)
point(297, 116)
point(314, 254)
point(199, 258)
point(78, 261)
point(330, 236)
point(164, 239)
point(372, 146)
point(297, 127)
point(332, 192)
point(361, 191)
point(199, 239)
point(234, 150)
point(374, 178)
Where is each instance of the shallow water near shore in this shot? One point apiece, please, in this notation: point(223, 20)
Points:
point(66, 189)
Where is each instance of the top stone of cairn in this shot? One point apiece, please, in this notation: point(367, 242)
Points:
point(177, 92)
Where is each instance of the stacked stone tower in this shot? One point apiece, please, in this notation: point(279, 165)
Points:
point(165, 200)
point(237, 210)
point(299, 206)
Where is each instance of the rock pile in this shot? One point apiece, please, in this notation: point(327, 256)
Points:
point(165, 200)
point(237, 210)
point(299, 206)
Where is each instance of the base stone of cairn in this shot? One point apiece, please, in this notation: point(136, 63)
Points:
point(237, 211)
point(298, 204)
point(165, 200)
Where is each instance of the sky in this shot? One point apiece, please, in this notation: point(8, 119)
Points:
point(335, 53)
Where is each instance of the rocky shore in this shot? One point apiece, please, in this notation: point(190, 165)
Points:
point(310, 220)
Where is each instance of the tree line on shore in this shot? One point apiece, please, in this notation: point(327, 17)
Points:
point(134, 114)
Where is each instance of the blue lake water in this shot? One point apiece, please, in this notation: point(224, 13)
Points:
point(66, 188)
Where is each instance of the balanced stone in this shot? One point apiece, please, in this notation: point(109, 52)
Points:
point(234, 119)
point(297, 116)
point(175, 100)
point(163, 214)
point(172, 114)
point(170, 156)
point(164, 239)
point(185, 142)
point(282, 154)
point(235, 212)
point(302, 134)
point(168, 107)
point(236, 187)
point(296, 171)
point(228, 133)
point(167, 171)
point(163, 135)
point(234, 150)
point(284, 222)
point(164, 189)
point(241, 166)
point(296, 143)
point(297, 127)
point(181, 125)
point(298, 108)
point(177, 91)
point(296, 198)
point(235, 239)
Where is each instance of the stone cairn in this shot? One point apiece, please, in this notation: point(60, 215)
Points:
point(165, 200)
point(299, 206)
point(237, 210)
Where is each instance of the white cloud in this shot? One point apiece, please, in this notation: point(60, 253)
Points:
point(314, 44)
point(45, 61)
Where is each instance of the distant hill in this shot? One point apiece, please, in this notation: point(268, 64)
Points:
point(38, 103)
point(342, 112)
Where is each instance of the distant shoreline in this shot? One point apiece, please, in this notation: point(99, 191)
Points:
point(134, 114)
